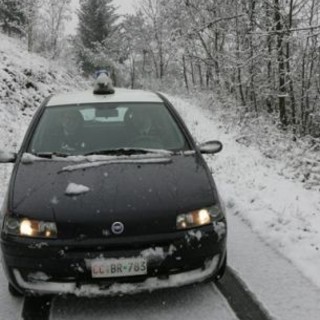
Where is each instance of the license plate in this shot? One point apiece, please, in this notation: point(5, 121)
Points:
point(125, 267)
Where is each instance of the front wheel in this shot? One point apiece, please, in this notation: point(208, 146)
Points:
point(218, 275)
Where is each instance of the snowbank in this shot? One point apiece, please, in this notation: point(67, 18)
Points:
point(281, 211)
point(25, 80)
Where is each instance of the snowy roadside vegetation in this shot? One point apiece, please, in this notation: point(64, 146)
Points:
point(297, 158)
point(25, 80)
point(284, 212)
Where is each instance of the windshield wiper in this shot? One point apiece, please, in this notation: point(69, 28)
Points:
point(49, 155)
point(128, 151)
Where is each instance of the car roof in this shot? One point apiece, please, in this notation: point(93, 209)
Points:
point(120, 95)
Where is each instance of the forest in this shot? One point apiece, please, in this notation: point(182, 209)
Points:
point(261, 57)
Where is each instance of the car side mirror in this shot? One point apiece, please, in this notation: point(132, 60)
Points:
point(210, 147)
point(7, 156)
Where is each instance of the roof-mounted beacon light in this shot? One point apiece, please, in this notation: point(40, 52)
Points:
point(103, 83)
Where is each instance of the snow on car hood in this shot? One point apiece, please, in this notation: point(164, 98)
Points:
point(145, 196)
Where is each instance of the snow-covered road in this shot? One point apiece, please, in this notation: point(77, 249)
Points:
point(195, 302)
point(281, 288)
point(10, 308)
point(273, 240)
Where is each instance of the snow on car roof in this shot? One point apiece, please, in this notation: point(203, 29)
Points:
point(120, 95)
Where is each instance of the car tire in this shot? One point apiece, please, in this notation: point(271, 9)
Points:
point(222, 269)
point(14, 292)
point(217, 276)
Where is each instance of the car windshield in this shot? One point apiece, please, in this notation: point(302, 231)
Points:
point(104, 128)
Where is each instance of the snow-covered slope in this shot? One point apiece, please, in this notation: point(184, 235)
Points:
point(25, 79)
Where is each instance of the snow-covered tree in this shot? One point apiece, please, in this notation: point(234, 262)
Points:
point(96, 34)
point(58, 12)
point(51, 26)
point(12, 17)
point(30, 10)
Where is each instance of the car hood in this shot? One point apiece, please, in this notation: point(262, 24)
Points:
point(86, 198)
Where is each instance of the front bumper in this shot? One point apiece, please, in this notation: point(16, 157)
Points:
point(61, 267)
point(92, 290)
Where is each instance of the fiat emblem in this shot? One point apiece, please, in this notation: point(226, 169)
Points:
point(117, 227)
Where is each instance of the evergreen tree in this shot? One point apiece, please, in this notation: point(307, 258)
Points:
point(12, 17)
point(96, 33)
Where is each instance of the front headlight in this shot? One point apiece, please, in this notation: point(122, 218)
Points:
point(199, 218)
point(29, 228)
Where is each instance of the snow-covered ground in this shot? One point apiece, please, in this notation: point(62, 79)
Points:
point(281, 211)
point(25, 80)
point(274, 222)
